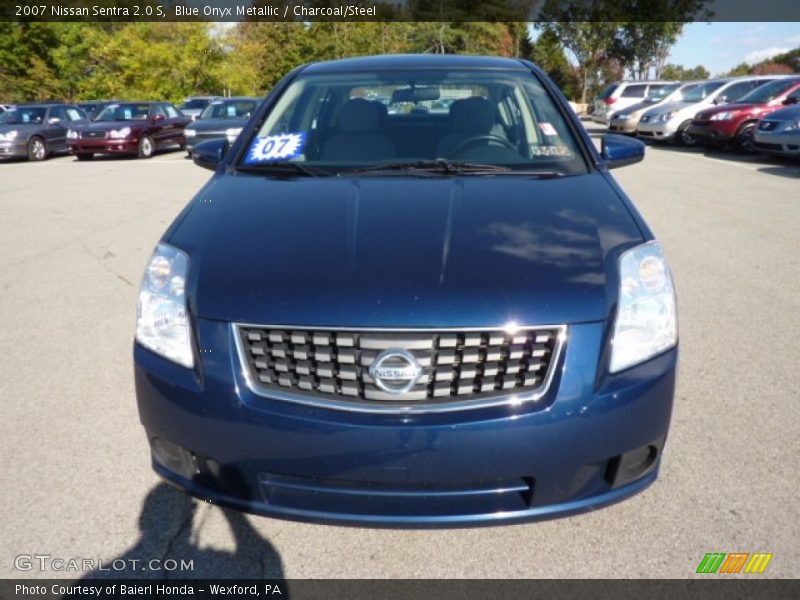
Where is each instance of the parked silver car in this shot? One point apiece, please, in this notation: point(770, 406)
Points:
point(670, 121)
point(778, 133)
point(622, 94)
point(194, 105)
point(36, 131)
point(627, 119)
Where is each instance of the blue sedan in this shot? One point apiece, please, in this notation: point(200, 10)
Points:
point(411, 294)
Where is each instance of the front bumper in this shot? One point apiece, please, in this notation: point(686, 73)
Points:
point(712, 131)
point(104, 146)
point(192, 141)
point(627, 126)
point(16, 149)
point(777, 144)
point(657, 131)
point(585, 445)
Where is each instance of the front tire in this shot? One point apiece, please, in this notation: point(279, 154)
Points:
point(37, 149)
point(683, 137)
point(744, 138)
point(146, 147)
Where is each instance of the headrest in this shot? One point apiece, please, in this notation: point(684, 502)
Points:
point(361, 116)
point(472, 114)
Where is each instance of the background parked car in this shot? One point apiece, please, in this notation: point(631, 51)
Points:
point(671, 121)
point(36, 131)
point(778, 133)
point(138, 128)
point(194, 105)
point(626, 119)
point(223, 118)
point(4, 108)
point(622, 94)
point(736, 121)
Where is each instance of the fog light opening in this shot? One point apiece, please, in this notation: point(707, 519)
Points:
point(171, 456)
point(632, 465)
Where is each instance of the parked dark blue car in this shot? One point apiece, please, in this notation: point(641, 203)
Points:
point(411, 294)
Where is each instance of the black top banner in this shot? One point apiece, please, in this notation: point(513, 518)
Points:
point(397, 10)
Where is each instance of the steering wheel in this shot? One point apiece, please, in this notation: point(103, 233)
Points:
point(486, 138)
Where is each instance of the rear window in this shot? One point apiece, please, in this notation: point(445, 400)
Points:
point(606, 93)
point(702, 91)
point(634, 91)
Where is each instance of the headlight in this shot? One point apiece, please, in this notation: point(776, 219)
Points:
point(162, 323)
point(72, 134)
point(119, 133)
point(723, 116)
point(647, 322)
point(622, 117)
point(664, 117)
point(189, 132)
point(233, 133)
point(9, 136)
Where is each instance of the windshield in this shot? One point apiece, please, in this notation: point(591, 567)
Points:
point(661, 93)
point(195, 104)
point(702, 91)
point(354, 120)
point(124, 112)
point(23, 115)
point(768, 92)
point(228, 109)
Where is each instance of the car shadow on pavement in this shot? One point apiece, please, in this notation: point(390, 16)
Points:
point(784, 171)
point(167, 542)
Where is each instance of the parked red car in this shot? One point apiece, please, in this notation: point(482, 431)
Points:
point(138, 128)
point(735, 122)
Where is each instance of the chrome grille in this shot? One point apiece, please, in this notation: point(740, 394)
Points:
point(92, 134)
point(457, 368)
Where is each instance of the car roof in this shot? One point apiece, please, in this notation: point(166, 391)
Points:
point(239, 98)
point(414, 61)
point(41, 104)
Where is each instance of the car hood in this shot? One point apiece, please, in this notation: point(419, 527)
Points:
point(404, 251)
point(109, 125)
point(785, 114)
point(660, 109)
point(733, 107)
point(217, 124)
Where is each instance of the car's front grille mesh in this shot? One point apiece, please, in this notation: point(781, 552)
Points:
point(453, 365)
point(91, 134)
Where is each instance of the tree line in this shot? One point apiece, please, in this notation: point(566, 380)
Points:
point(87, 61)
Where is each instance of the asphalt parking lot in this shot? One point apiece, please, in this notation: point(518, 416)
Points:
point(76, 480)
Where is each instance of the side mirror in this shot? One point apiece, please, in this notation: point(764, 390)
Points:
point(54, 121)
point(157, 118)
point(619, 151)
point(209, 154)
point(791, 100)
point(721, 100)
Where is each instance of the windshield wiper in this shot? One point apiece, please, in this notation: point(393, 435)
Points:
point(285, 168)
point(454, 168)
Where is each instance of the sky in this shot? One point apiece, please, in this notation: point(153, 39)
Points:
point(721, 46)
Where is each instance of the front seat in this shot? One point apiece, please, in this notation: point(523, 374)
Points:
point(468, 118)
point(358, 136)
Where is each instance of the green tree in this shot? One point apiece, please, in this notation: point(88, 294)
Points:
point(547, 53)
point(739, 70)
point(680, 73)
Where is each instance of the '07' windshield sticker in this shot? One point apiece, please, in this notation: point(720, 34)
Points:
point(276, 147)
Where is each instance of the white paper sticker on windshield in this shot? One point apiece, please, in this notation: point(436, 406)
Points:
point(548, 129)
point(276, 147)
point(231, 108)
